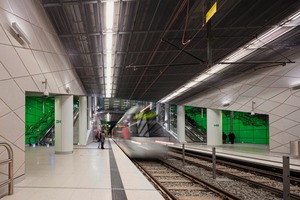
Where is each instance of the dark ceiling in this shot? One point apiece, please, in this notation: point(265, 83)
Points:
point(151, 58)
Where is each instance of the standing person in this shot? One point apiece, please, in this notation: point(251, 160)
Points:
point(98, 132)
point(102, 139)
point(126, 131)
point(231, 137)
point(224, 137)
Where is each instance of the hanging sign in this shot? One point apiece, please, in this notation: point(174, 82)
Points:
point(211, 12)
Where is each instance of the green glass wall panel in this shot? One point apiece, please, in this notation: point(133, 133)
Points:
point(197, 116)
point(246, 127)
point(39, 117)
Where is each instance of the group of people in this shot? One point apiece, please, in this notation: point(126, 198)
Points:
point(231, 137)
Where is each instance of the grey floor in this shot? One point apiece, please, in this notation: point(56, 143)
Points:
point(85, 174)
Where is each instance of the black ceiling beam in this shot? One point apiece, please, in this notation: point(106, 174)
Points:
point(88, 53)
point(47, 5)
point(79, 34)
point(181, 49)
point(160, 65)
point(191, 30)
point(257, 62)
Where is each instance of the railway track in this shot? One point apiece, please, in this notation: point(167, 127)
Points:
point(180, 185)
point(259, 178)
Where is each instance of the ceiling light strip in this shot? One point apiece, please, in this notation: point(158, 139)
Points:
point(109, 21)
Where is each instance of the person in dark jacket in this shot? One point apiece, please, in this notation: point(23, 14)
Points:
point(101, 139)
point(231, 137)
point(224, 137)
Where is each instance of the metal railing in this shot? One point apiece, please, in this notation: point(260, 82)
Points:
point(9, 161)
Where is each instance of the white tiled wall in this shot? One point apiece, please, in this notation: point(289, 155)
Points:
point(270, 90)
point(24, 67)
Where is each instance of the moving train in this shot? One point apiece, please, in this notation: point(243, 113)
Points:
point(139, 134)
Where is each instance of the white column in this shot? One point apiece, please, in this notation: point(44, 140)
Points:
point(89, 105)
point(63, 124)
point(167, 116)
point(214, 127)
point(83, 122)
point(158, 109)
point(180, 123)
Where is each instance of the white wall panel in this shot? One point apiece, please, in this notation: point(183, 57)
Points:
point(20, 113)
point(294, 130)
point(4, 108)
point(3, 38)
point(18, 9)
point(11, 126)
point(293, 100)
point(29, 61)
point(11, 61)
point(268, 93)
point(283, 110)
point(51, 82)
point(3, 73)
point(41, 59)
point(5, 5)
point(282, 97)
point(52, 64)
point(41, 38)
point(253, 91)
point(267, 81)
point(284, 124)
point(57, 78)
point(38, 79)
point(26, 84)
point(294, 116)
point(11, 94)
point(267, 106)
point(285, 82)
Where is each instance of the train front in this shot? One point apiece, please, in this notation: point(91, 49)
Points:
point(139, 134)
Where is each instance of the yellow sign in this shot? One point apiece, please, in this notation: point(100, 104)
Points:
point(211, 12)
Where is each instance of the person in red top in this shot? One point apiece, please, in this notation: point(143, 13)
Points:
point(126, 131)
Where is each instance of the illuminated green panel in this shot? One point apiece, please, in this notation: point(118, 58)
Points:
point(247, 128)
point(197, 116)
point(39, 117)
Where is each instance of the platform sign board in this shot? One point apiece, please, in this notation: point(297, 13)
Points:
point(211, 12)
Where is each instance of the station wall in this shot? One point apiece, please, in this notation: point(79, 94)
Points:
point(270, 89)
point(23, 68)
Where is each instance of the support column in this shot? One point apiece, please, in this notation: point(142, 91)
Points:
point(64, 124)
point(214, 127)
point(158, 109)
point(83, 122)
point(181, 123)
point(167, 116)
point(89, 105)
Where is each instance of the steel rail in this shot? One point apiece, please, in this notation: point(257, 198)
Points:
point(276, 191)
point(195, 179)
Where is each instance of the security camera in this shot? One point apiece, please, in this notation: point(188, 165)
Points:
point(46, 93)
point(252, 113)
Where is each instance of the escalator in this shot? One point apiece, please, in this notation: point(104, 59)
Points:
point(47, 135)
point(37, 131)
point(193, 133)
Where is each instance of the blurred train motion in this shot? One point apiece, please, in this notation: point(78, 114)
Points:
point(139, 135)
